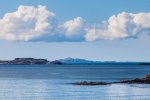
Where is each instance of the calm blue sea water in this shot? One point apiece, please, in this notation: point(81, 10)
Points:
point(51, 82)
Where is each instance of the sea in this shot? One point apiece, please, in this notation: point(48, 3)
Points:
point(54, 82)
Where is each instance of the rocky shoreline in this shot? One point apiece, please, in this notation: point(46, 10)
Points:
point(145, 80)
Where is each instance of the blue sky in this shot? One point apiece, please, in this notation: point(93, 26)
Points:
point(93, 12)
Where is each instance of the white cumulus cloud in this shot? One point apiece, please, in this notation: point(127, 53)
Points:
point(26, 23)
point(73, 29)
point(30, 23)
point(123, 25)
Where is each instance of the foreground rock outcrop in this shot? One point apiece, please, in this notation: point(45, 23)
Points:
point(145, 80)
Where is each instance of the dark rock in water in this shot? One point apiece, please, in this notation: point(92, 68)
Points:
point(91, 83)
point(145, 80)
point(134, 81)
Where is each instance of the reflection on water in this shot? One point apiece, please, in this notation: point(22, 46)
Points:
point(52, 90)
point(51, 83)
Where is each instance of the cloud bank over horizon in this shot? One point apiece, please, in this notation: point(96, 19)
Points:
point(30, 23)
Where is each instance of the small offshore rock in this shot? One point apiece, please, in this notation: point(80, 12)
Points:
point(91, 83)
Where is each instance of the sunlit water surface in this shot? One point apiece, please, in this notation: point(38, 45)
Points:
point(52, 82)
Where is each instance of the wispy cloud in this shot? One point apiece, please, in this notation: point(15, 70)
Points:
point(30, 23)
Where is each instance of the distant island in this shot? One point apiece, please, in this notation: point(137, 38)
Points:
point(28, 61)
point(70, 60)
point(67, 61)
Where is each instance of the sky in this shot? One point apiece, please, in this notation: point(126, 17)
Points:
point(103, 30)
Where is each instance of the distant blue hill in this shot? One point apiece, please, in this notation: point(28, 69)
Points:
point(76, 61)
point(84, 61)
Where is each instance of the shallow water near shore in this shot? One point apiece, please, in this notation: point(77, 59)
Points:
point(52, 82)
